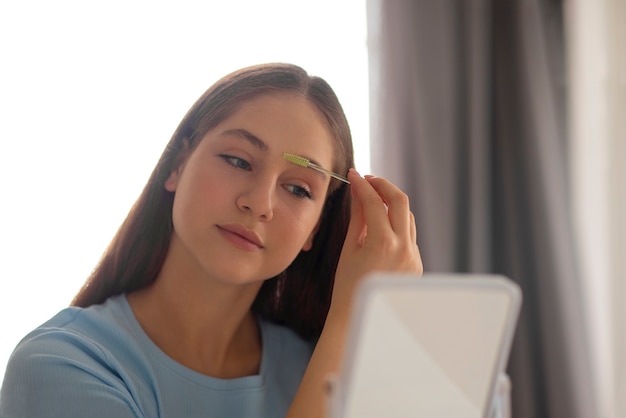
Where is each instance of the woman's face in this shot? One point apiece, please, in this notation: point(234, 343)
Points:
point(241, 212)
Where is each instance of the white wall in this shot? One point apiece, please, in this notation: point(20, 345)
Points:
point(90, 93)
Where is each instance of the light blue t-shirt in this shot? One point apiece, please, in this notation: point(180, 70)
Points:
point(98, 362)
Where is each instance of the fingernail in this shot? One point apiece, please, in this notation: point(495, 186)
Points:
point(354, 171)
point(369, 176)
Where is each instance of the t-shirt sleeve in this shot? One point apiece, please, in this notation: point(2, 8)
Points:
point(60, 374)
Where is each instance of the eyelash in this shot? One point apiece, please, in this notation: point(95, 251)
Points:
point(298, 192)
point(236, 162)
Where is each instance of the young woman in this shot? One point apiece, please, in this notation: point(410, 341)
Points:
point(227, 290)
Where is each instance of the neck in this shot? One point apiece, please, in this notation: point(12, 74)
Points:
point(201, 323)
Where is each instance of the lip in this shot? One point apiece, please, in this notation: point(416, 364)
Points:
point(241, 236)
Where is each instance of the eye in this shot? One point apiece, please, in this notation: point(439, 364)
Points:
point(236, 162)
point(299, 191)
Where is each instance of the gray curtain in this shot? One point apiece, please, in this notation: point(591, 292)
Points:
point(468, 116)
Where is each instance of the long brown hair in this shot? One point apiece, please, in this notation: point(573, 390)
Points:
point(300, 296)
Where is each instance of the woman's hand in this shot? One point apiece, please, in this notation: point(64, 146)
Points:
point(381, 237)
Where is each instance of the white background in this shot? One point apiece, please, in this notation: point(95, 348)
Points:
point(90, 93)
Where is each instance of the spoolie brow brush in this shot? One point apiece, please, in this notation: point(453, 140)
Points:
point(304, 162)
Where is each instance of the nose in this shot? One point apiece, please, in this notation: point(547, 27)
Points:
point(258, 199)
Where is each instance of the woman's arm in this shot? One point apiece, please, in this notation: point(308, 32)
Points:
point(381, 237)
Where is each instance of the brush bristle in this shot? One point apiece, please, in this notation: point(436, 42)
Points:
point(296, 159)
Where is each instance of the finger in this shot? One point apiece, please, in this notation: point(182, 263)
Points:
point(412, 227)
point(373, 207)
point(397, 203)
point(419, 263)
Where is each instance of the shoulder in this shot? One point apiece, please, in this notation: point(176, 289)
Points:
point(91, 331)
point(284, 340)
point(69, 360)
point(285, 361)
point(285, 358)
point(72, 329)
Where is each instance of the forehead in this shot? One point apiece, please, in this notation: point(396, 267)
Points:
point(285, 122)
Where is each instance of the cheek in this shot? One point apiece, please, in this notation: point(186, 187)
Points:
point(195, 199)
point(300, 225)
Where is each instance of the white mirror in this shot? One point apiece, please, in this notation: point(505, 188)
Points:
point(426, 347)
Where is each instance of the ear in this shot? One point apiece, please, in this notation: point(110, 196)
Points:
point(308, 244)
point(172, 181)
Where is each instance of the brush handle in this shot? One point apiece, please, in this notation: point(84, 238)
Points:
point(330, 173)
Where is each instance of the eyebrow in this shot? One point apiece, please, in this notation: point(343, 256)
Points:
point(261, 145)
point(248, 136)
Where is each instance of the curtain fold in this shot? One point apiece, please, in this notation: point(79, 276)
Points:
point(468, 116)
